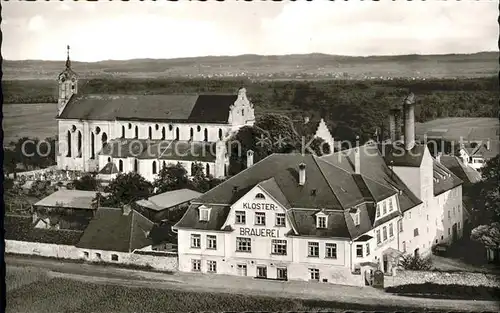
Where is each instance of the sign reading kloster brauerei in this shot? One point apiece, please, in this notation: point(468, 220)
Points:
point(259, 232)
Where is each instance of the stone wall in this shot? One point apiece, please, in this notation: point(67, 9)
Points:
point(443, 278)
point(166, 262)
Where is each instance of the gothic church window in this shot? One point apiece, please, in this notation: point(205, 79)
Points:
point(79, 144)
point(154, 167)
point(68, 139)
point(123, 131)
point(177, 135)
point(92, 146)
point(104, 139)
point(220, 134)
point(120, 166)
point(136, 132)
point(150, 134)
point(191, 133)
point(205, 137)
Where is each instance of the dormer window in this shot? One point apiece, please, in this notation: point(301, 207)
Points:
point(321, 220)
point(390, 205)
point(384, 211)
point(260, 196)
point(204, 214)
point(355, 216)
point(378, 210)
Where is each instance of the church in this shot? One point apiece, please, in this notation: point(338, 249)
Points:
point(115, 133)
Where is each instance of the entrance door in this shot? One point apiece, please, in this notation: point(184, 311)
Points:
point(241, 269)
point(281, 273)
point(454, 232)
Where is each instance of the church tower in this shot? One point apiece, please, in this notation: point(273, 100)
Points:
point(68, 85)
point(241, 113)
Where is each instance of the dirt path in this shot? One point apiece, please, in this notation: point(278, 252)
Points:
point(241, 285)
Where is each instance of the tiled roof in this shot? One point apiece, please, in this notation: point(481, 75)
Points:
point(396, 155)
point(166, 108)
point(112, 230)
point(160, 149)
point(77, 199)
point(446, 180)
point(374, 168)
point(168, 199)
point(109, 168)
point(330, 185)
point(466, 173)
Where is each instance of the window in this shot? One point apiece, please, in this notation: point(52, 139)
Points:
point(449, 232)
point(378, 237)
point(114, 257)
point(384, 233)
point(260, 218)
point(120, 165)
point(261, 272)
point(280, 219)
point(240, 217)
point(211, 266)
point(163, 133)
point(205, 135)
point(191, 134)
point(314, 274)
point(98, 256)
point(458, 225)
point(378, 210)
point(390, 205)
point(85, 254)
point(331, 250)
point(195, 241)
point(260, 196)
point(154, 167)
point(136, 132)
point(211, 242)
point(204, 214)
point(320, 221)
point(136, 165)
point(313, 249)
point(220, 134)
point(404, 246)
point(243, 244)
point(196, 265)
point(123, 131)
point(384, 211)
point(281, 273)
point(453, 211)
point(355, 218)
point(367, 249)
point(359, 251)
point(391, 231)
point(150, 133)
point(129, 126)
point(177, 134)
point(449, 215)
point(400, 226)
point(279, 246)
point(415, 232)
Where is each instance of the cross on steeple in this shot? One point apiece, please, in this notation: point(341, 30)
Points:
point(68, 62)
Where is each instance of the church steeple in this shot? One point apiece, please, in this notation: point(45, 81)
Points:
point(68, 61)
point(68, 84)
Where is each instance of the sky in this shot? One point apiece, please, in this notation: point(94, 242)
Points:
point(127, 30)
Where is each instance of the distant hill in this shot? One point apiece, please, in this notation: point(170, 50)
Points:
point(297, 66)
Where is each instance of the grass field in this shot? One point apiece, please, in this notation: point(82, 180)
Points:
point(30, 120)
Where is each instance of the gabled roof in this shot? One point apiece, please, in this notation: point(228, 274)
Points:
point(466, 173)
point(161, 108)
point(160, 149)
point(168, 199)
point(328, 186)
point(374, 169)
point(66, 198)
point(112, 230)
point(446, 180)
point(109, 168)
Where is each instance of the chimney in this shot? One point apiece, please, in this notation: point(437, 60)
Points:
point(395, 124)
point(126, 209)
point(249, 158)
point(488, 145)
point(357, 163)
point(306, 119)
point(438, 157)
point(409, 125)
point(302, 174)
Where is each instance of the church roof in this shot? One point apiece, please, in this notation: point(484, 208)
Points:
point(161, 108)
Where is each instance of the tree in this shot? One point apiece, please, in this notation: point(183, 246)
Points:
point(488, 235)
point(125, 189)
point(199, 181)
point(40, 189)
point(416, 262)
point(86, 182)
point(171, 177)
point(485, 195)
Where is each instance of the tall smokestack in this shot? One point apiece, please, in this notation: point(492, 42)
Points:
point(409, 114)
point(357, 161)
point(302, 174)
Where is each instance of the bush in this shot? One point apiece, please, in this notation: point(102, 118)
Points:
point(416, 262)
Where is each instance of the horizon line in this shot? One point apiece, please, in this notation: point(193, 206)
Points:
point(254, 54)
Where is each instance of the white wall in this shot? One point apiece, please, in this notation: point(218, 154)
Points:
point(168, 262)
